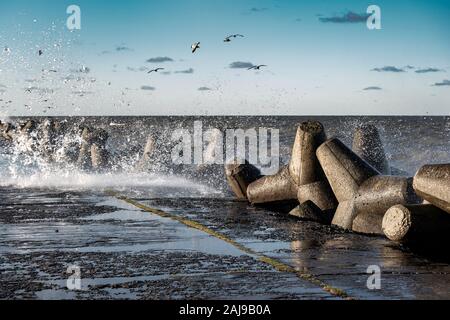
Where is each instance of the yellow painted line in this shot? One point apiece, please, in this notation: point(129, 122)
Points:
point(277, 265)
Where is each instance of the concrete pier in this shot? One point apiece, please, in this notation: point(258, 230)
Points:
point(118, 241)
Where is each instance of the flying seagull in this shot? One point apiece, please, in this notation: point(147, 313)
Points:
point(155, 70)
point(228, 39)
point(257, 67)
point(195, 46)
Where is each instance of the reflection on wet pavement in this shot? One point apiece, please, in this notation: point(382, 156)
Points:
point(336, 257)
point(124, 253)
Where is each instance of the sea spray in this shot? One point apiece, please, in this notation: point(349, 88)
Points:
point(409, 143)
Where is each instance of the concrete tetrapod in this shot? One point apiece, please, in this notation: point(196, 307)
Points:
point(368, 223)
point(99, 154)
point(432, 182)
point(93, 153)
point(145, 159)
point(310, 212)
point(367, 145)
point(374, 197)
point(27, 127)
point(304, 167)
point(379, 193)
point(344, 170)
point(345, 214)
point(274, 188)
point(47, 138)
point(239, 176)
point(84, 156)
point(6, 131)
point(319, 193)
point(420, 223)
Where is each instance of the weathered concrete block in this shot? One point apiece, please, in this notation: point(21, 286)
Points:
point(344, 170)
point(304, 167)
point(6, 131)
point(146, 158)
point(93, 153)
point(416, 224)
point(432, 182)
point(84, 156)
point(310, 212)
point(367, 145)
point(374, 197)
point(47, 138)
point(27, 127)
point(368, 223)
point(239, 176)
point(99, 154)
point(345, 214)
point(273, 188)
point(379, 193)
point(319, 193)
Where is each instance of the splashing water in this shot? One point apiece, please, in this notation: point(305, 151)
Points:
point(25, 163)
point(152, 185)
point(32, 171)
point(409, 142)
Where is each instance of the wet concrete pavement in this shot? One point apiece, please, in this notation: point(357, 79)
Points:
point(124, 252)
point(336, 257)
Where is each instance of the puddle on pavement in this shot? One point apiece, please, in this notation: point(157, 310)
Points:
point(128, 229)
point(339, 259)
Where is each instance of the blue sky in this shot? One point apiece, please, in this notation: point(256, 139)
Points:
point(319, 62)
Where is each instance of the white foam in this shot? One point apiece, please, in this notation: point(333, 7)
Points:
point(152, 184)
point(24, 167)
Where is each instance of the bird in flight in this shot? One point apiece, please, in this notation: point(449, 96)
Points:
point(257, 67)
point(40, 52)
point(228, 39)
point(155, 70)
point(195, 46)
